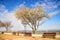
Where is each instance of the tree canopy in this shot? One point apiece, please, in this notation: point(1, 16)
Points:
point(31, 16)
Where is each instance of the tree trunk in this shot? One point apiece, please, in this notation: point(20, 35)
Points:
point(33, 31)
point(34, 28)
point(25, 28)
point(6, 29)
point(18, 33)
point(2, 32)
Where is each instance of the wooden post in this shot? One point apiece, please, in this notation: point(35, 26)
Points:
point(14, 33)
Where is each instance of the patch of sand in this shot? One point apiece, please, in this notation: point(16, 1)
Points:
point(15, 37)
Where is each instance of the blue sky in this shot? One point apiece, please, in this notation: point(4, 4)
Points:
point(52, 7)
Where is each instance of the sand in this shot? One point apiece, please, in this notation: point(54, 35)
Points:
point(15, 37)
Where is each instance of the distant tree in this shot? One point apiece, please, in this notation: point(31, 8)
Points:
point(31, 16)
point(5, 24)
point(2, 24)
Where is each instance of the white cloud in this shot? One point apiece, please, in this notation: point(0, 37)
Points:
point(49, 6)
point(3, 12)
point(7, 16)
point(53, 13)
point(2, 7)
point(35, 5)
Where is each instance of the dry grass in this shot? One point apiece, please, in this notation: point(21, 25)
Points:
point(15, 37)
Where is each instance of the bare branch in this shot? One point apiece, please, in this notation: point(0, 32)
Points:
point(31, 16)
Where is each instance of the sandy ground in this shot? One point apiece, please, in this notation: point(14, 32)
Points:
point(15, 37)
